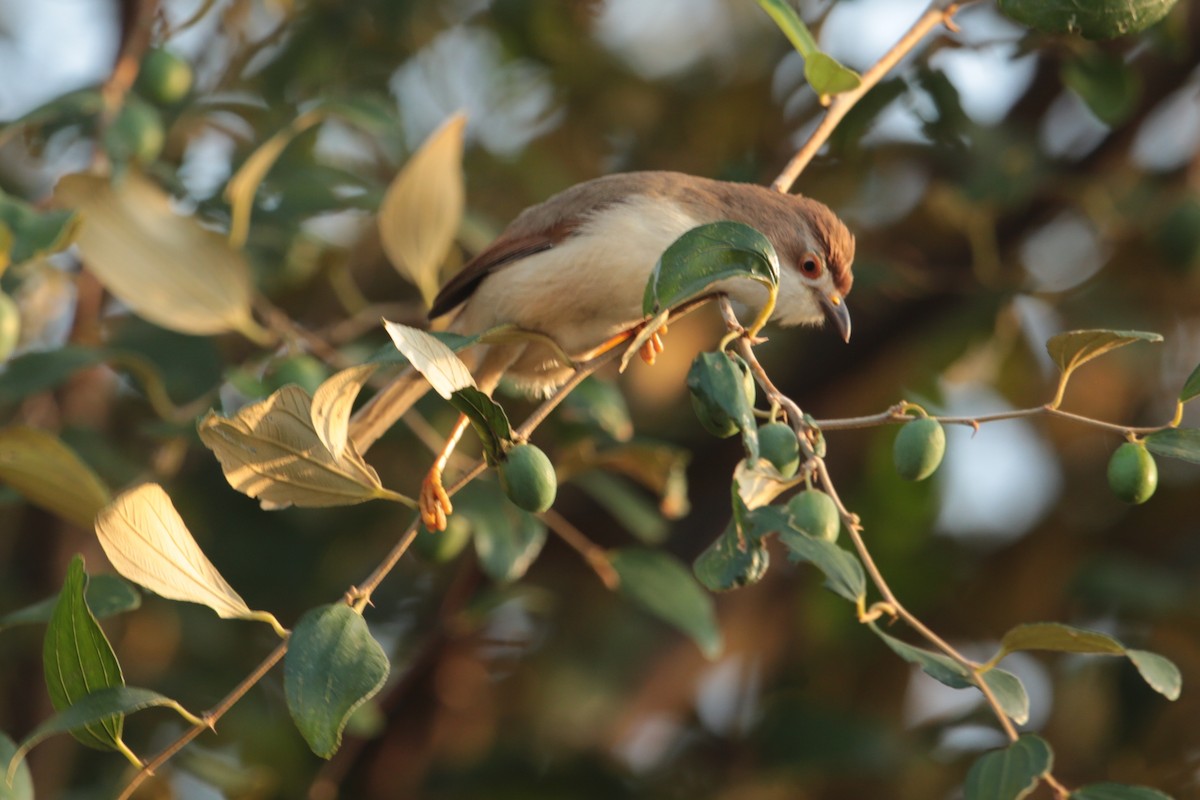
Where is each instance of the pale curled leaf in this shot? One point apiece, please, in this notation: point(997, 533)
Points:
point(423, 207)
point(444, 370)
point(1158, 671)
point(19, 783)
point(241, 188)
point(1072, 349)
point(271, 451)
point(1191, 387)
point(147, 541)
point(332, 403)
point(166, 267)
point(50, 475)
point(761, 483)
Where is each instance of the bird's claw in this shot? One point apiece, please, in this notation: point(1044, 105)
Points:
point(653, 346)
point(433, 501)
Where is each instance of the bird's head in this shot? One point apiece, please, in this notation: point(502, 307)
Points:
point(815, 258)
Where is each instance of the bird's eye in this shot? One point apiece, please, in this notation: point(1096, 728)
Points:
point(810, 265)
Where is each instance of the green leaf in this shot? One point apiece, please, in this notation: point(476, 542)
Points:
point(1159, 672)
point(1011, 773)
point(487, 418)
point(626, 504)
point(826, 76)
point(1191, 387)
point(21, 785)
point(1009, 693)
point(95, 709)
point(1117, 791)
point(1073, 349)
point(40, 371)
point(1059, 637)
point(659, 466)
point(731, 561)
point(77, 659)
point(333, 666)
point(792, 26)
point(1181, 443)
point(106, 595)
point(507, 539)
point(1094, 19)
point(704, 256)
point(665, 588)
point(597, 405)
point(843, 571)
point(1109, 86)
point(35, 233)
point(941, 668)
point(722, 391)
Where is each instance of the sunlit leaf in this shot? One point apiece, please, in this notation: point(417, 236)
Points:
point(665, 588)
point(332, 404)
point(1117, 791)
point(147, 541)
point(444, 370)
point(1011, 773)
point(1181, 443)
point(758, 484)
point(106, 595)
point(166, 267)
point(333, 666)
point(423, 207)
point(271, 451)
point(1159, 672)
point(1056, 636)
point(731, 561)
point(241, 188)
point(99, 705)
point(1072, 349)
point(50, 475)
point(705, 256)
point(1095, 19)
point(19, 785)
point(78, 660)
point(827, 77)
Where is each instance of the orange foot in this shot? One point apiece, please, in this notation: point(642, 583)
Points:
point(433, 501)
point(653, 346)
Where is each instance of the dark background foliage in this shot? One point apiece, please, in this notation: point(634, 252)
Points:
point(992, 207)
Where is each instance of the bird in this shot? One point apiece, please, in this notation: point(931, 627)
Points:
point(572, 270)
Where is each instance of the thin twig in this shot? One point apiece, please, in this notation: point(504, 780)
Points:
point(939, 12)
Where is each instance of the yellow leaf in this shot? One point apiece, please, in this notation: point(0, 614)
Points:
point(50, 475)
point(242, 187)
point(147, 542)
point(271, 451)
point(423, 207)
point(333, 402)
point(444, 370)
point(164, 266)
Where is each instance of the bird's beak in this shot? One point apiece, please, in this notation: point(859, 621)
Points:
point(834, 306)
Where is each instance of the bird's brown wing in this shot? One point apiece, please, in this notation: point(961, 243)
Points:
point(504, 250)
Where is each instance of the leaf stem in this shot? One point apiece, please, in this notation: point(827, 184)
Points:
point(939, 12)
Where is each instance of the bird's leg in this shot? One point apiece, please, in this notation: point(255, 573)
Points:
point(434, 503)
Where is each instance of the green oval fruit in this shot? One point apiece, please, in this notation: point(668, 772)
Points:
point(440, 547)
point(527, 477)
point(10, 326)
point(1132, 473)
point(777, 443)
point(136, 134)
point(307, 372)
point(711, 380)
point(815, 513)
point(164, 77)
point(919, 448)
